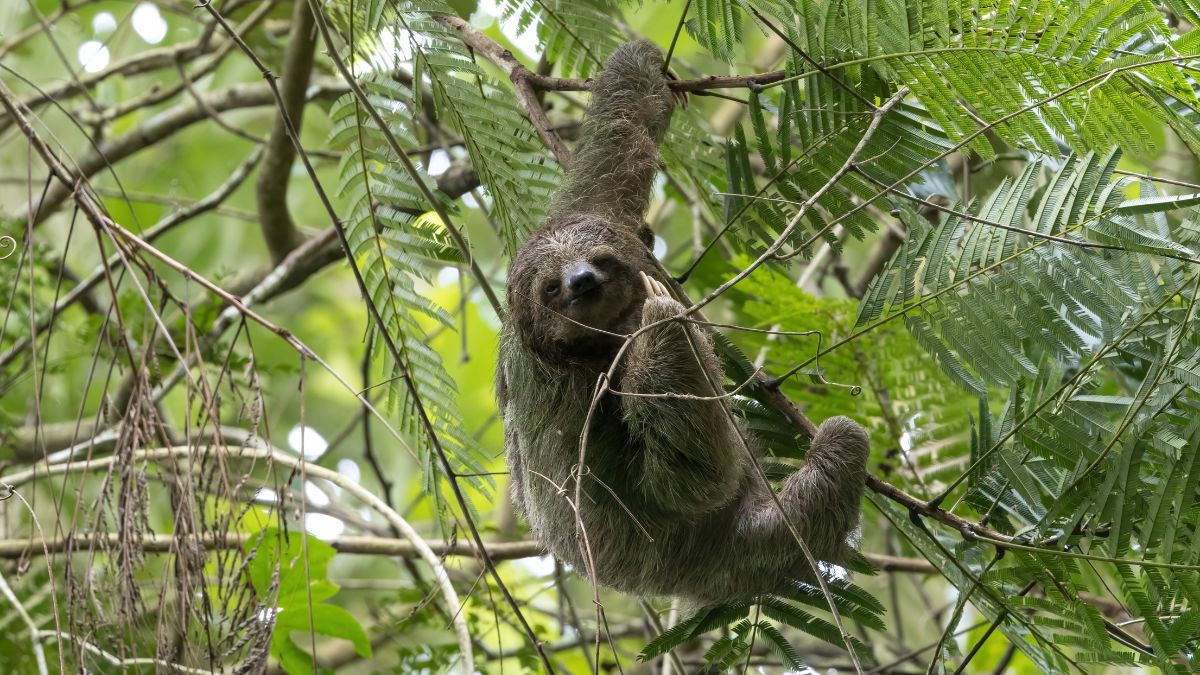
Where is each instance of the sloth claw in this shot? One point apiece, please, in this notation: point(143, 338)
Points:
point(654, 287)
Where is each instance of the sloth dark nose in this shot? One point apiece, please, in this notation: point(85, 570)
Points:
point(581, 279)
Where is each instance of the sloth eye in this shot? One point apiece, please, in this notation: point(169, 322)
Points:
point(551, 287)
point(605, 259)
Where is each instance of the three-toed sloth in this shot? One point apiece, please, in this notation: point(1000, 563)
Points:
point(671, 503)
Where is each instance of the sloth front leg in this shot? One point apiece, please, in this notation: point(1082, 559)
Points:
point(690, 450)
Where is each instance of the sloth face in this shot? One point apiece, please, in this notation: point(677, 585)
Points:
point(575, 284)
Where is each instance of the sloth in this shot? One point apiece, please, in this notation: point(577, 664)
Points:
point(671, 503)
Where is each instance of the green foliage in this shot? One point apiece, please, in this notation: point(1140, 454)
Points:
point(967, 274)
point(852, 603)
point(1095, 75)
point(288, 574)
point(387, 246)
point(398, 243)
point(576, 35)
point(1098, 72)
point(1066, 457)
point(1026, 359)
point(719, 26)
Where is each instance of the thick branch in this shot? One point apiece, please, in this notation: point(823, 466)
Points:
point(278, 229)
point(357, 545)
point(522, 79)
point(162, 126)
point(967, 528)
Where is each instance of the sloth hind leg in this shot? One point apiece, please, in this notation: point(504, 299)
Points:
point(820, 501)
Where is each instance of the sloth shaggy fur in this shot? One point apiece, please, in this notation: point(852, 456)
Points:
point(671, 503)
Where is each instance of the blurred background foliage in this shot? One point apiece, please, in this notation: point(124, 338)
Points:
point(1000, 287)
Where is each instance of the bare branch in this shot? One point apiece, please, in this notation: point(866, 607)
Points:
point(752, 80)
point(295, 463)
point(11, 549)
point(142, 62)
point(216, 541)
point(276, 221)
point(103, 223)
point(157, 93)
point(114, 261)
point(163, 126)
point(119, 661)
point(521, 78)
point(38, 652)
point(64, 8)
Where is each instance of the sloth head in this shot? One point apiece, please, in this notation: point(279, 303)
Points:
point(575, 283)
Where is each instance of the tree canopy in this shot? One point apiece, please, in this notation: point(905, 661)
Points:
point(252, 264)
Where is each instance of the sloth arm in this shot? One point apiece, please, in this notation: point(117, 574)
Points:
point(615, 162)
point(690, 451)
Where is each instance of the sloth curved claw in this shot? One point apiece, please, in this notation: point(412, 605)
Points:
point(647, 284)
point(654, 287)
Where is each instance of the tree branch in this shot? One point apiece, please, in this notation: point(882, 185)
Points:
point(140, 63)
point(522, 79)
point(547, 83)
point(525, 81)
point(38, 652)
point(160, 127)
point(221, 541)
point(157, 93)
point(104, 224)
point(115, 261)
point(276, 221)
point(11, 549)
point(311, 470)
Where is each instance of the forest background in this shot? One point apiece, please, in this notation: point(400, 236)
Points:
point(252, 260)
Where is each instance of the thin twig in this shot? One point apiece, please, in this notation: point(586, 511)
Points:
point(259, 452)
point(813, 62)
point(1011, 228)
point(38, 652)
point(124, 663)
point(170, 222)
point(102, 222)
point(786, 233)
point(521, 77)
point(674, 39)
